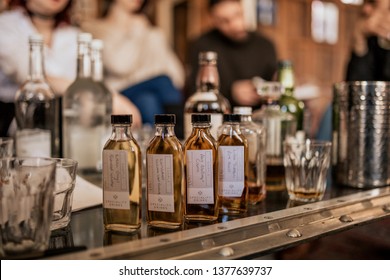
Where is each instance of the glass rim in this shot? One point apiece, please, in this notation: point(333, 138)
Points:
point(37, 160)
point(66, 162)
point(311, 142)
point(6, 140)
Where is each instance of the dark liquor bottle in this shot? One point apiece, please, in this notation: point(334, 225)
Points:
point(207, 98)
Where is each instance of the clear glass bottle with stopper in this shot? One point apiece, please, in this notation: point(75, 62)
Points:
point(84, 113)
point(37, 109)
point(232, 166)
point(122, 183)
point(207, 98)
point(280, 126)
point(98, 77)
point(201, 165)
point(165, 176)
point(256, 136)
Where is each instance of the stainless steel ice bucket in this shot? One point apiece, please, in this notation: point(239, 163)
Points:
point(361, 133)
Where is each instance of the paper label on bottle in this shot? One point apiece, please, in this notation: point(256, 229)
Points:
point(115, 180)
point(33, 143)
point(216, 122)
point(160, 183)
point(200, 180)
point(231, 173)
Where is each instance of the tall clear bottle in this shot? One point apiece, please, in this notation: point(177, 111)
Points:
point(165, 176)
point(207, 98)
point(122, 186)
point(84, 113)
point(256, 136)
point(201, 166)
point(97, 76)
point(280, 126)
point(232, 166)
point(37, 109)
point(288, 102)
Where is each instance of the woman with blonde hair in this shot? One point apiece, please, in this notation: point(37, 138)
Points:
point(138, 60)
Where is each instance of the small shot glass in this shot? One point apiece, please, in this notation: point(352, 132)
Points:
point(63, 192)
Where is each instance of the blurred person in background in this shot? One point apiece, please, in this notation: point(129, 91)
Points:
point(242, 55)
point(4, 5)
point(370, 54)
point(137, 58)
point(50, 18)
point(370, 58)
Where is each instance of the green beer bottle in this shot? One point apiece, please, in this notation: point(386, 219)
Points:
point(288, 103)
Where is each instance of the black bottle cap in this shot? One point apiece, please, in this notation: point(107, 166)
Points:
point(121, 119)
point(200, 118)
point(165, 119)
point(231, 118)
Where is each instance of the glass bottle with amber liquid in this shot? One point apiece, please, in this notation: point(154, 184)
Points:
point(37, 109)
point(207, 98)
point(232, 166)
point(280, 126)
point(165, 176)
point(122, 186)
point(200, 157)
point(256, 137)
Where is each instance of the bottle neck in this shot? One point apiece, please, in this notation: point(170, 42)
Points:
point(83, 61)
point(197, 127)
point(121, 132)
point(287, 79)
point(232, 125)
point(208, 78)
point(97, 65)
point(36, 70)
point(165, 130)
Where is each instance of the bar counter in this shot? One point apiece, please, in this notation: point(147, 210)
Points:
point(268, 227)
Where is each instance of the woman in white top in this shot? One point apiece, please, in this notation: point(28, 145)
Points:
point(49, 18)
point(138, 60)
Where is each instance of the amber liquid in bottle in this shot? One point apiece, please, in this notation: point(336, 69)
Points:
point(165, 177)
point(233, 169)
point(256, 137)
point(275, 177)
point(201, 167)
point(122, 181)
